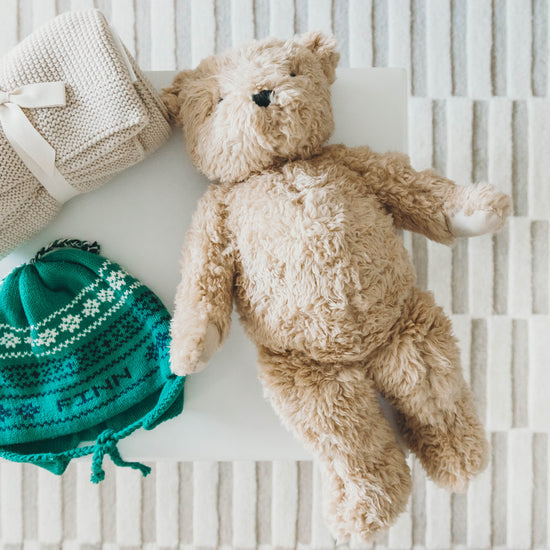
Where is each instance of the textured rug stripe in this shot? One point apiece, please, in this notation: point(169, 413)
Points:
point(77, 5)
point(42, 10)
point(478, 31)
point(540, 239)
point(547, 519)
point(539, 374)
point(11, 502)
point(281, 21)
point(68, 505)
point(499, 374)
point(400, 534)
point(284, 504)
point(320, 536)
point(438, 517)
point(263, 502)
point(420, 133)
point(459, 47)
point(438, 47)
point(143, 33)
point(518, 48)
point(166, 504)
point(519, 282)
point(479, 511)
point(499, 483)
point(459, 115)
point(244, 504)
point(520, 372)
point(128, 507)
point(148, 520)
point(462, 329)
point(520, 486)
point(361, 33)
point(163, 38)
point(8, 25)
point(540, 502)
point(186, 497)
point(320, 15)
point(480, 276)
point(225, 505)
point(50, 508)
point(123, 19)
point(305, 489)
point(500, 143)
point(242, 18)
point(478, 366)
point(399, 29)
point(539, 159)
point(88, 506)
point(440, 274)
point(203, 30)
point(205, 504)
point(357, 544)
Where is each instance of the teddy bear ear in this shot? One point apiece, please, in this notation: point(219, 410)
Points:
point(172, 96)
point(325, 47)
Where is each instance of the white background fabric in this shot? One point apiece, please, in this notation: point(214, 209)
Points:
point(479, 110)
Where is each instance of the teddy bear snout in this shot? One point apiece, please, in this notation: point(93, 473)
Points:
point(263, 98)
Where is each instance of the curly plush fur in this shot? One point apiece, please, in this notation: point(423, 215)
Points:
point(302, 238)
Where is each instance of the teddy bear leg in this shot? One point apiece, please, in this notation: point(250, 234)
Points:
point(419, 372)
point(333, 409)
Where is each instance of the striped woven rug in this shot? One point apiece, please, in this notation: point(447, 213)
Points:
point(479, 109)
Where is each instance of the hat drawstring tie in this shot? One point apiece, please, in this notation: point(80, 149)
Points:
point(106, 444)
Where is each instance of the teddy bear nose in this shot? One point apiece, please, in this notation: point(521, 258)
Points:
point(263, 98)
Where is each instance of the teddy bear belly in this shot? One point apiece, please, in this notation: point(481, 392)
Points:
point(332, 307)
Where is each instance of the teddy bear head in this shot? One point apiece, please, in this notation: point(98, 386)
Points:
point(256, 106)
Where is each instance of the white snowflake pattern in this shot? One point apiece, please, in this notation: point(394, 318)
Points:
point(47, 337)
point(116, 279)
point(106, 295)
point(91, 307)
point(71, 323)
point(10, 340)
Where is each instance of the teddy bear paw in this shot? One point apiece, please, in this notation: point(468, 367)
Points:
point(191, 355)
point(479, 222)
point(362, 507)
point(366, 510)
point(481, 209)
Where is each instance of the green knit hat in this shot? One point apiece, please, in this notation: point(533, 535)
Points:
point(84, 357)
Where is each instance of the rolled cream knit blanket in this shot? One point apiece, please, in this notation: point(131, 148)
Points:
point(112, 118)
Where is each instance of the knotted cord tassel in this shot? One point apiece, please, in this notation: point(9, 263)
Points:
point(106, 444)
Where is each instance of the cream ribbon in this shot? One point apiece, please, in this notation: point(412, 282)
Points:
point(37, 154)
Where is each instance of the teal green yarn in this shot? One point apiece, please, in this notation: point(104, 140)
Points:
point(83, 357)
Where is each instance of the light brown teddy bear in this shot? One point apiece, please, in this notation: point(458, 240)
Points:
point(302, 237)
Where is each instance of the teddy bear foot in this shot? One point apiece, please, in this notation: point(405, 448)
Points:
point(364, 507)
point(451, 455)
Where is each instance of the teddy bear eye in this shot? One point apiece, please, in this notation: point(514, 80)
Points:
point(292, 74)
point(220, 100)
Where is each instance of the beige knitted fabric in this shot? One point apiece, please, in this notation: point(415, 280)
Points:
point(109, 123)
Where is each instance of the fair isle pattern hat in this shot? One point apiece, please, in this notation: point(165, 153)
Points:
point(84, 357)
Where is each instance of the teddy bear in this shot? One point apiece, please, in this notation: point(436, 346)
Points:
point(303, 238)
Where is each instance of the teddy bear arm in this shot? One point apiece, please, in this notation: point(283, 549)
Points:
point(416, 200)
point(203, 304)
point(425, 202)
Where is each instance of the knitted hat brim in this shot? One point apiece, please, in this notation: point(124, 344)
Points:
point(55, 455)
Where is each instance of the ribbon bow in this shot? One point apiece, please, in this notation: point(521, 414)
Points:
point(37, 154)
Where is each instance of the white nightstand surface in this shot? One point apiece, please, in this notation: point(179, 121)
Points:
point(140, 219)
